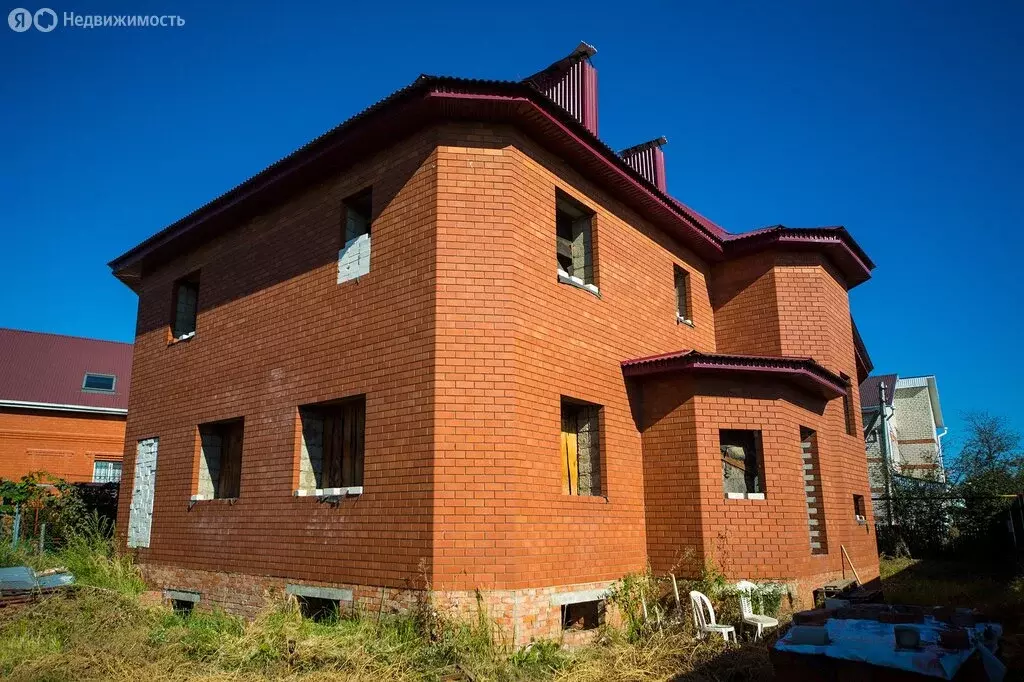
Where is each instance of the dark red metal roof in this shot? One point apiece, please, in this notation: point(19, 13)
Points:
point(804, 372)
point(869, 390)
point(431, 99)
point(49, 369)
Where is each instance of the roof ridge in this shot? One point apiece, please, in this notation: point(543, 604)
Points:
point(65, 336)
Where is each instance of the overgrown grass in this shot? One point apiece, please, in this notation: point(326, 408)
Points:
point(101, 631)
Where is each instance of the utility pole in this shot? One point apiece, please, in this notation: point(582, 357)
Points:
point(883, 444)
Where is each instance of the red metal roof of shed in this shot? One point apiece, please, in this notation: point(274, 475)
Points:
point(46, 371)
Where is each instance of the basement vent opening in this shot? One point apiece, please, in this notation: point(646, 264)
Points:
point(183, 607)
point(584, 615)
point(319, 610)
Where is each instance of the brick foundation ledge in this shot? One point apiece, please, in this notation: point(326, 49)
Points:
point(519, 616)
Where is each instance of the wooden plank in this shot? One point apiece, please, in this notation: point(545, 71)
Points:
point(572, 458)
point(348, 464)
point(360, 442)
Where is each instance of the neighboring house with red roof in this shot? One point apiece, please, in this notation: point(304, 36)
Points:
point(550, 373)
point(63, 405)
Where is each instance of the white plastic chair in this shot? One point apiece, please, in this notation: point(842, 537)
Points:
point(704, 618)
point(759, 622)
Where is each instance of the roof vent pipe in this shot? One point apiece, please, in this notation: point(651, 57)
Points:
point(648, 160)
point(571, 83)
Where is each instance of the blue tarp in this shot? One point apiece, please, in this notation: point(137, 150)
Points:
point(21, 578)
point(870, 641)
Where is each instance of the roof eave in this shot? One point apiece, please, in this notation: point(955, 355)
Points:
point(803, 372)
point(59, 407)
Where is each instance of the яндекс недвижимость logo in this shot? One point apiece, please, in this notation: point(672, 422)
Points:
point(45, 20)
point(21, 20)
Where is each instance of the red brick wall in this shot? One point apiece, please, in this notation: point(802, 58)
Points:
point(63, 444)
point(464, 343)
point(512, 341)
point(744, 299)
point(276, 331)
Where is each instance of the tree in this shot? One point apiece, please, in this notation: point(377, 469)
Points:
point(991, 461)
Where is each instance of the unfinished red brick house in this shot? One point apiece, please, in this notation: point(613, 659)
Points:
point(458, 341)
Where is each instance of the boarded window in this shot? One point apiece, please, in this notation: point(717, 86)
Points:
point(741, 461)
point(332, 444)
point(140, 516)
point(812, 491)
point(581, 448)
point(584, 615)
point(682, 280)
point(574, 240)
point(186, 306)
point(354, 256)
point(220, 461)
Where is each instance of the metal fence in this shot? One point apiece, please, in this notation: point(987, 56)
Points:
point(928, 524)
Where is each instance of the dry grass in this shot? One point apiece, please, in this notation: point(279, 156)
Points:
point(102, 632)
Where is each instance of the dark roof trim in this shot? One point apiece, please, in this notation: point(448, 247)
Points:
point(433, 98)
point(804, 372)
point(860, 351)
point(657, 142)
point(835, 242)
point(583, 51)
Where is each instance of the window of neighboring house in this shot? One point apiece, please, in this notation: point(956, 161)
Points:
point(584, 615)
point(851, 420)
point(741, 463)
point(100, 383)
point(220, 460)
point(354, 256)
point(581, 448)
point(106, 471)
point(186, 307)
point(858, 508)
point(574, 242)
point(333, 436)
point(682, 280)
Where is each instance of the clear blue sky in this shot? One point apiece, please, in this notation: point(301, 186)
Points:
point(902, 121)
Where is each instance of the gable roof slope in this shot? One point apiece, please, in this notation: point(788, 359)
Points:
point(47, 371)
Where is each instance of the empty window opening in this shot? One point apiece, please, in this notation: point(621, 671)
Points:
point(581, 448)
point(186, 306)
point(741, 462)
point(183, 607)
point(106, 471)
point(584, 615)
point(812, 491)
point(220, 461)
point(851, 420)
point(858, 508)
point(682, 280)
point(574, 240)
point(319, 610)
point(333, 436)
point(354, 256)
point(99, 383)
